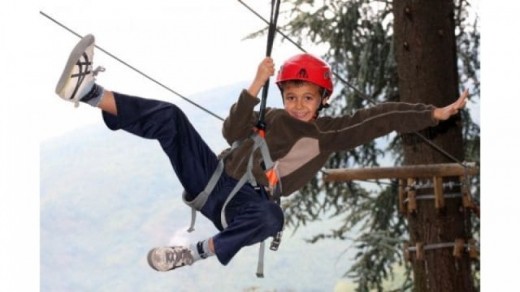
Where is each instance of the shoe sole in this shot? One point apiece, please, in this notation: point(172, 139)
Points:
point(76, 53)
point(149, 258)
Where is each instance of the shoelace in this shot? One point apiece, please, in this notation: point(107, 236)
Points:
point(81, 74)
point(179, 257)
point(97, 70)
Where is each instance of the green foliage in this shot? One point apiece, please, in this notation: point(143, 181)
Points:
point(359, 36)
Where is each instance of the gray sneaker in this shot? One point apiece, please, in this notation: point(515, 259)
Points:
point(168, 258)
point(78, 77)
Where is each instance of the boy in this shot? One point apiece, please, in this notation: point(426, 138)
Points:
point(299, 143)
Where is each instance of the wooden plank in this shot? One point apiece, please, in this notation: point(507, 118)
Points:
point(407, 171)
point(466, 198)
point(406, 251)
point(439, 192)
point(473, 252)
point(412, 201)
point(419, 251)
point(458, 248)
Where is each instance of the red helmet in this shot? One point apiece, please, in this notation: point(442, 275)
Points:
point(308, 68)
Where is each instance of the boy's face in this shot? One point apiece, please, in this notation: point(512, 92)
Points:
point(301, 100)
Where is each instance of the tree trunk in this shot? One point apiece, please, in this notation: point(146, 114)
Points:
point(425, 49)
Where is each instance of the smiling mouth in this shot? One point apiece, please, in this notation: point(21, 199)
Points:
point(300, 115)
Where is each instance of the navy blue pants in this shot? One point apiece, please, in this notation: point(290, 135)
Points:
point(251, 216)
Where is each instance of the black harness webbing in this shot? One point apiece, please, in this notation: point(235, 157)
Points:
point(271, 33)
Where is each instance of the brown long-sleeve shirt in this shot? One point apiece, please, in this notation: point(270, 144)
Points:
point(300, 148)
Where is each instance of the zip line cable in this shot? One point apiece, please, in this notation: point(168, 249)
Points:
point(135, 69)
point(429, 142)
point(271, 33)
point(363, 95)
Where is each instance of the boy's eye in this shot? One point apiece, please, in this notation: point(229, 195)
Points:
point(310, 98)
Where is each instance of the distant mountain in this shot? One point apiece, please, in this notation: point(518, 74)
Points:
point(108, 197)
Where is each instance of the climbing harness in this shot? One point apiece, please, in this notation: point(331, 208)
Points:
point(258, 138)
point(259, 143)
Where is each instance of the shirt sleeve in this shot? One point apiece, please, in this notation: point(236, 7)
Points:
point(241, 119)
point(365, 125)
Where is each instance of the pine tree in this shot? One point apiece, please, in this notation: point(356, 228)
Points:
point(399, 50)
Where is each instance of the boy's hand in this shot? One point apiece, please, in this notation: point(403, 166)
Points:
point(446, 112)
point(264, 71)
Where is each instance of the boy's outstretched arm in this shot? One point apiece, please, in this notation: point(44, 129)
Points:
point(264, 71)
point(444, 113)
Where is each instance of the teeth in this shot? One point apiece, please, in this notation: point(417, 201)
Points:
point(300, 116)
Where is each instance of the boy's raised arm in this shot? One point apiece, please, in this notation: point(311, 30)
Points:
point(264, 71)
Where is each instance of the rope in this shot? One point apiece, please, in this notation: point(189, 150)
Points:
point(275, 7)
point(429, 185)
point(460, 246)
point(136, 70)
point(432, 197)
point(434, 246)
point(440, 245)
